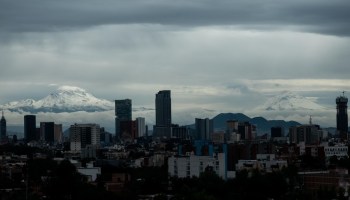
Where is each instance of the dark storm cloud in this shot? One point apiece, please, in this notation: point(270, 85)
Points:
point(326, 17)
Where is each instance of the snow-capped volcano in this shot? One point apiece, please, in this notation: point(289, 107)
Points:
point(289, 101)
point(64, 99)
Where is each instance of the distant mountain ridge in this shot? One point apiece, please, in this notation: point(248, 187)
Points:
point(263, 125)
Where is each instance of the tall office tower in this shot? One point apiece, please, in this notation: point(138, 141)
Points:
point(81, 135)
point(342, 116)
point(162, 129)
point(123, 112)
point(204, 128)
point(3, 133)
point(140, 127)
point(47, 131)
point(58, 133)
point(163, 108)
point(30, 128)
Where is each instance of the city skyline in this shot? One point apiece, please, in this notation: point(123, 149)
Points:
point(77, 102)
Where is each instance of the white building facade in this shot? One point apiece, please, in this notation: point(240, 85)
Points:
point(189, 166)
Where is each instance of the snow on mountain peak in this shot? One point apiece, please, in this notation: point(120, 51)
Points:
point(64, 99)
point(288, 100)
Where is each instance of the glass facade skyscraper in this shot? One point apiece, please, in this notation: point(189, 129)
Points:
point(163, 108)
point(123, 112)
point(162, 129)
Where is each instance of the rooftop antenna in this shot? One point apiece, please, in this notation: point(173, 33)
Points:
point(343, 93)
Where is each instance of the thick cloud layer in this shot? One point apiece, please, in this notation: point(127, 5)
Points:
point(320, 16)
point(219, 55)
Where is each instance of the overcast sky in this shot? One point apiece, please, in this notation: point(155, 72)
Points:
point(215, 54)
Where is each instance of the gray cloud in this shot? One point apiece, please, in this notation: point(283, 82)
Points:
point(327, 17)
point(219, 55)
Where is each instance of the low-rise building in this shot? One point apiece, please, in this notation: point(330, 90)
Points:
point(189, 166)
point(264, 163)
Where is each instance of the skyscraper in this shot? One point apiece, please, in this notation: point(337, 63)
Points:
point(29, 128)
point(342, 116)
point(47, 131)
point(162, 129)
point(123, 112)
point(141, 127)
point(3, 133)
point(163, 108)
point(204, 127)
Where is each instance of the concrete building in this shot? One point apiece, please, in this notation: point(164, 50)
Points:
point(264, 163)
point(338, 151)
point(193, 166)
point(82, 135)
point(309, 134)
point(140, 127)
point(180, 132)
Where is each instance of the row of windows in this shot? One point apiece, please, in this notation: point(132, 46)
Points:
point(335, 149)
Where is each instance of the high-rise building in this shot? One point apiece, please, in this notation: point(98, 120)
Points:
point(204, 128)
point(342, 116)
point(58, 134)
point(180, 132)
point(47, 131)
point(3, 133)
point(81, 135)
point(163, 129)
point(30, 128)
point(123, 112)
point(140, 127)
point(163, 108)
point(247, 130)
point(128, 131)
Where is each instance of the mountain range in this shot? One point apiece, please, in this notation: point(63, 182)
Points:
point(69, 104)
point(263, 125)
